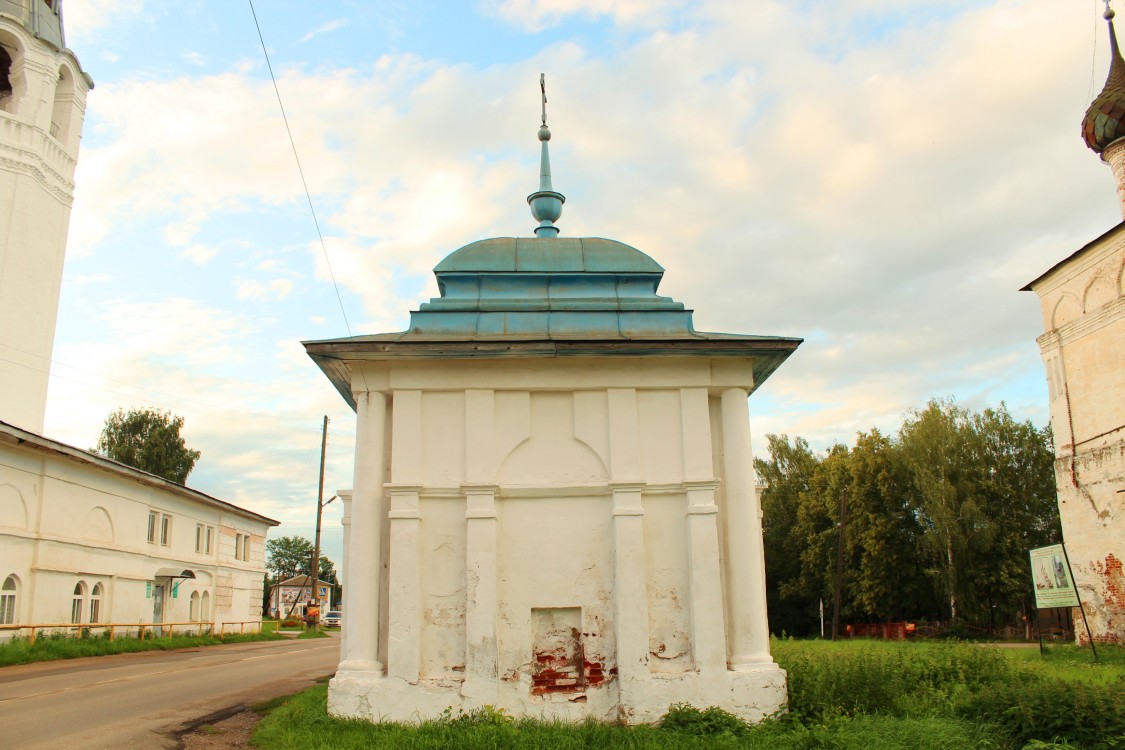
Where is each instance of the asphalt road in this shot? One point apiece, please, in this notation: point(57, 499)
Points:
point(142, 700)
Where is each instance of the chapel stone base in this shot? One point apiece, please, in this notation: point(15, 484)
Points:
point(752, 694)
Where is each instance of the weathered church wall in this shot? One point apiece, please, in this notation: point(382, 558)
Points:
point(1083, 303)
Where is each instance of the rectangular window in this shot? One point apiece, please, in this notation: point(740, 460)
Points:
point(152, 514)
point(76, 609)
point(203, 536)
point(165, 529)
point(239, 546)
point(95, 609)
point(7, 609)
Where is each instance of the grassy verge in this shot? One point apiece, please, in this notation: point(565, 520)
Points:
point(50, 647)
point(861, 695)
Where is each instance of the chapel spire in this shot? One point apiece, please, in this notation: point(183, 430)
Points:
point(1103, 127)
point(546, 204)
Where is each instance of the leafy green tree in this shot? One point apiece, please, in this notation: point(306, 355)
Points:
point(290, 556)
point(939, 519)
point(787, 476)
point(149, 440)
point(882, 535)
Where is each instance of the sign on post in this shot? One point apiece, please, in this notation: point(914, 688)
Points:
point(1054, 586)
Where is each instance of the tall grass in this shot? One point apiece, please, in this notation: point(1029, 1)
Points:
point(301, 723)
point(854, 695)
point(52, 646)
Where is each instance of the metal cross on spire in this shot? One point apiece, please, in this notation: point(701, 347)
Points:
point(543, 88)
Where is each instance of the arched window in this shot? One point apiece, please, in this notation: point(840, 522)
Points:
point(5, 78)
point(78, 603)
point(205, 607)
point(193, 609)
point(8, 601)
point(96, 603)
point(64, 103)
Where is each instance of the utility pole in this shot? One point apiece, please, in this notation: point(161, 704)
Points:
point(839, 564)
point(315, 569)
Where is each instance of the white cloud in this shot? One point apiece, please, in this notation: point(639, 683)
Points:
point(882, 197)
point(324, 28)
point(536, 15)
point(257, 290)
point(198, 253)
point(85, 17)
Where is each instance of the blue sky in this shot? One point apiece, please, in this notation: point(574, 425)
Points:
point(878, 181)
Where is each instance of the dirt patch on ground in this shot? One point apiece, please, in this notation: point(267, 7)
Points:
point(231, 732)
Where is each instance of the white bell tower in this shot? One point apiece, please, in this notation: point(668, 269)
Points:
point(42, 104)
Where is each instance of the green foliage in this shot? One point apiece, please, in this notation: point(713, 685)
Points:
point(290, 556)
point(484, 716)
point(1052, 710)
point(149, 440)
point(877, 677)
point(685, 718)
point(937, 520)
point(59, 645)
point(845, 696)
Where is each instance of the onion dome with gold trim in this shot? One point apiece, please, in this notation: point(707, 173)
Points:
point(1104, 122)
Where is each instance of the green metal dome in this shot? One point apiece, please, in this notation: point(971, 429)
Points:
point(1104, 122)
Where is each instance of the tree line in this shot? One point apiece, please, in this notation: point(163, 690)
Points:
point(933, 523)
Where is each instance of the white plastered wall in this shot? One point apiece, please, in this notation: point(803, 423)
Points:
point(551, 544)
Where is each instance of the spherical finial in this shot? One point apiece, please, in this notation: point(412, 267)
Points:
point(544, 133)
point(1109, 14)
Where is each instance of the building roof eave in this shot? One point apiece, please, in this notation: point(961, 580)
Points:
point(12, 435)
point(1117, 228)
point(334, 356)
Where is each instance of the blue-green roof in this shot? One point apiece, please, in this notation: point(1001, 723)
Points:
point(548, 255)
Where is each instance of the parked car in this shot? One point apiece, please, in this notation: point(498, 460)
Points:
point(333, 618)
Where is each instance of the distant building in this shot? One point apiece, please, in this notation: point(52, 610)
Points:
point(83, 539)
point(1083, 348)
point(290, 596)
point(86, 540)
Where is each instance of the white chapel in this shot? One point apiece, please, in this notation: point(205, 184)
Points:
point(553, 510)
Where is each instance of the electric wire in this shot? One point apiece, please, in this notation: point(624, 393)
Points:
point(300, 169)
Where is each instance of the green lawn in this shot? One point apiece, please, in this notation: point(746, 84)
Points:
point(861, 694)
point(51, 646)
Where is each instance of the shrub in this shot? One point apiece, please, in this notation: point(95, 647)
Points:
point(828, 679)
point(1053, 710)
point(489, 716)
point(685, 718)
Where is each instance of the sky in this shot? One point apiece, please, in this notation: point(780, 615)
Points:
point(876, 177)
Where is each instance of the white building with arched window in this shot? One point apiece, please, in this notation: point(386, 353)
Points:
point(84, 539)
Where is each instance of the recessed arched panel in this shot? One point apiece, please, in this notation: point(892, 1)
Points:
point(1100, 291)
point(61, 113)
point(552, 456)
point(13, 509)
point(98, 525)
point(1068, 308)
